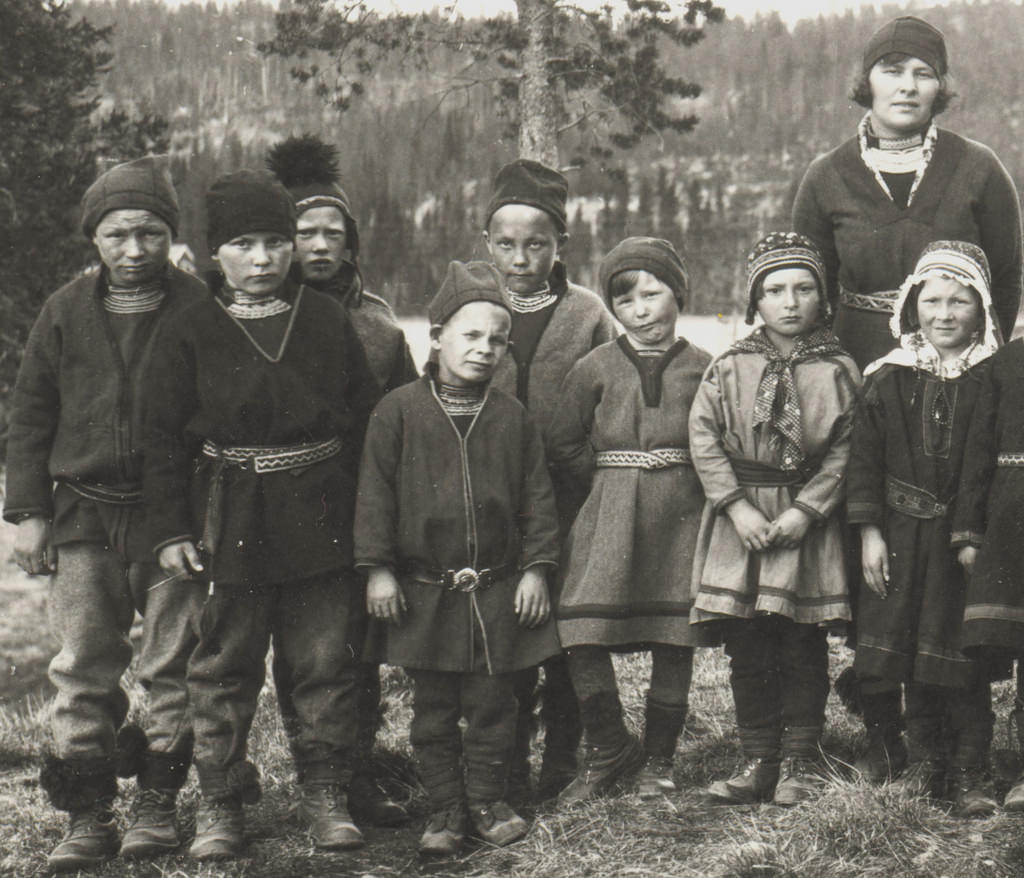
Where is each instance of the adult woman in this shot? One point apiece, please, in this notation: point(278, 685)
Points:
point(874, 202)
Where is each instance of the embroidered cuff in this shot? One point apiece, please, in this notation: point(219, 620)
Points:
point(961, 538)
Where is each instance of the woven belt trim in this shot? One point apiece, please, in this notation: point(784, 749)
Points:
point(660, 458)
point(1012, 458)
point(105, 493)
point(912, 501)
point(271, 458)
point(467, 579)
point(881, 302)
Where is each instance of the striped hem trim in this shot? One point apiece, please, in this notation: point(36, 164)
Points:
point(617, 611)
point(996, 612)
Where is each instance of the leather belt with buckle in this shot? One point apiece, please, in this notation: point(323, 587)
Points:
point(465, 580)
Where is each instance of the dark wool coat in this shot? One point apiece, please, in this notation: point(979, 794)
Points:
point(77, 406)
point(207, 380)
point(628, 560)
point(430, 498)
point(870, 244)
point(990, 510)
point(913, 635)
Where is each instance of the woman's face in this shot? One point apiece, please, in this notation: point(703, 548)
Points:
point(949, 314)
point(903, 91)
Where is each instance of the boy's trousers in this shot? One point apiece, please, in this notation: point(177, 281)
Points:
point(488, 704)
point(92, 601)
point(321, 623)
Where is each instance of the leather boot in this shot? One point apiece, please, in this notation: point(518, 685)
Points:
point(610, 752)
point(754, 781)
point(496, 823)
point(153, 826)
point(662, 728)
point(323, 808)
point(369, 804)
point(799, 779)
point(884, 755)
point(220, 824)
point(91, 838)
point(445, 831)
point(971, 792)
point(563, 731)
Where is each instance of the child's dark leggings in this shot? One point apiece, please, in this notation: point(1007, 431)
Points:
point(779, 676)
point(953, 725)
point(671, 668)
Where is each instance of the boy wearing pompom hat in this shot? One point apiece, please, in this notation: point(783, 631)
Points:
point(326, 258)
point(770, 437)
point(74, 489)
point(259, 398)
point(554, 323)
point(457, 528)
point(621, 432)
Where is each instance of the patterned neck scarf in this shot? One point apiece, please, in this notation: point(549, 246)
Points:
point(911, 155)
point(777, 407)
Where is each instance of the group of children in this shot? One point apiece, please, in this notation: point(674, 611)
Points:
point(546, 494)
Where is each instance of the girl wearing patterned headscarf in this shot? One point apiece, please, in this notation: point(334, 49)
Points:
point(908, 449)
point(770, 439)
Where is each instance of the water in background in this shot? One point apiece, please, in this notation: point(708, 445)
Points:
point(712, 333)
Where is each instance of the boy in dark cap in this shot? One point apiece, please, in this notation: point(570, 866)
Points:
point(554, 324)
point(74, 474)
point(259, 399)
point(456, 526)
point(326, 251)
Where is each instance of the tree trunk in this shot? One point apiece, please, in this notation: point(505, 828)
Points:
point(538, 108)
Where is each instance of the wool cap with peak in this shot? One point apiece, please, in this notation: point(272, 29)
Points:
point(908, 35)
point(244, 202)
point(654, 255)
point(142, 184)
point(525, 181)
point(778, 250)
point(308, 168)
point(466, 282)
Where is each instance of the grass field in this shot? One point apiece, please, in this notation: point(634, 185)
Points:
point(852, 830)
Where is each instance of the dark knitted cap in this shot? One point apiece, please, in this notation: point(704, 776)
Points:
point(466, 282)
point(525, 181)
point(654, 255)
point(308, 167)
point(908, 35)
point(245, 202)
point(142, 184)
point(778, 250)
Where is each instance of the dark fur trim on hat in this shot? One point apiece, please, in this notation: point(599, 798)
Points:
point(301, 160)
point(243, 780)
point(131, 750)
point(72, 786)
point(847, 687)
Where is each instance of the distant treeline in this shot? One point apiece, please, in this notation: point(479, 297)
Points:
point(418, 158)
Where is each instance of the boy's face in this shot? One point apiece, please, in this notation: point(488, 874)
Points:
point(256, 263)
point(949, 314)
point(133, 244)
point(320, 242)
point(523, 242)
point(790, 302)
point(471, 343)
point(648, 312)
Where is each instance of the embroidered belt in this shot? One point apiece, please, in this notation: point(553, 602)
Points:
point(467, 579)
point(881, 302)
point(273, 458)
point(1010, 458)
point(755, 474)
point(105, 493)
point(659, 458)
point(912, 500)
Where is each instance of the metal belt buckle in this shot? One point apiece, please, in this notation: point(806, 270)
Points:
point(466, 579)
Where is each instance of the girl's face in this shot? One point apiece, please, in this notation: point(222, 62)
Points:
point(648, 312)
point(256, 263)
point(790, 304)
point(903, 91)
point(949, 314)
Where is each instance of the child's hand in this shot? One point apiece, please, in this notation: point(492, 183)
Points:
point(180, 560)
point(874, 558)
point(967, 556)
point(789, 529)
point(33, 546)
point(750, 523)
point(384, 598)
point(533, 606)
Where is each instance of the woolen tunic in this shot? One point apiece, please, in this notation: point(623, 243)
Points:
point(628, 559)
point(990, 510)
point(871, 244)
point(808, 583)
point(208, 381)
point(914, 634)
point(432, 499)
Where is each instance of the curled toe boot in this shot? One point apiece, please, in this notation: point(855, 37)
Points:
point(496, 823)
point(445, 831)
